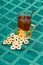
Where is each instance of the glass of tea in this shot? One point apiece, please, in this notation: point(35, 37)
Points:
point(25, 28)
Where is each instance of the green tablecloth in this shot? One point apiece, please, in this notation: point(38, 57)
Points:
point(31, 54)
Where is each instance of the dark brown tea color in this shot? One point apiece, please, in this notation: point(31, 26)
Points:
point(24, 22)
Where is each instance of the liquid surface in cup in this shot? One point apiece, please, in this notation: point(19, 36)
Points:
point(24, 22)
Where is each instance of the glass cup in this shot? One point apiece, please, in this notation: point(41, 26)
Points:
point(25, 27)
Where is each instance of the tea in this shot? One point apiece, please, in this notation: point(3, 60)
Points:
point(24, 22)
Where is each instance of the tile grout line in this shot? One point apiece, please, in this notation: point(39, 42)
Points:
point(30, 46)
point(36, 58)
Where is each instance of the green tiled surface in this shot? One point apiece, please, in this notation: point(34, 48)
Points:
point(31, 54)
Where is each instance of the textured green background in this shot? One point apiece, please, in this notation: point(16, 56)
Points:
point(31, 54)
